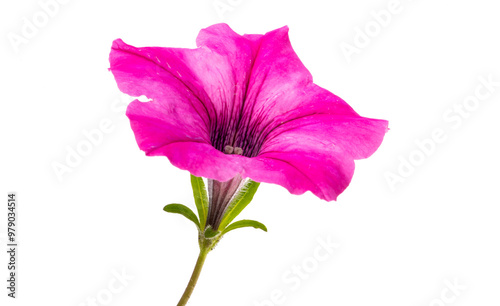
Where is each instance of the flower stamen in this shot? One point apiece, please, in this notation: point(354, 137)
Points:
point(233, 150)
point(238, 151)
point(228, 149)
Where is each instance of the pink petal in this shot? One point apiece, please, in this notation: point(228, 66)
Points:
point(303, 168)
point(178, 110)
point(222, 64)
point(327, 118)
point(319, 152)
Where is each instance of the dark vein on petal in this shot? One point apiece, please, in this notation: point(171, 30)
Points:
point(175, 77)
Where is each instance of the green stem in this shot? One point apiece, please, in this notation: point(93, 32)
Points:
point(194, 277)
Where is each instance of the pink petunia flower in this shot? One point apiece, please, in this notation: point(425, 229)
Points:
point(243, 106)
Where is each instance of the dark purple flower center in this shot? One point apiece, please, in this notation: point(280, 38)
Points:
point(240, 131)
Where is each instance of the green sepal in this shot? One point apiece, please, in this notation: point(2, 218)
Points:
point(182, 210)
point(210, 232)
point(200, 199)
point(240, 201)
point(244, 223)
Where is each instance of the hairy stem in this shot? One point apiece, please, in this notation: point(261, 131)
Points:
point(194, 277)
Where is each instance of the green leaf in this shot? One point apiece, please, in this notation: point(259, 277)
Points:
point(210, 232)
point(183, 210)
point(244, 223)
point(239, 202)
point(200, 199)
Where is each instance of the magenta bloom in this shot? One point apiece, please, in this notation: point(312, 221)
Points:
point(243, 105)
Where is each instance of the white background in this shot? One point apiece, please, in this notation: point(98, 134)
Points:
point(397, 246)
